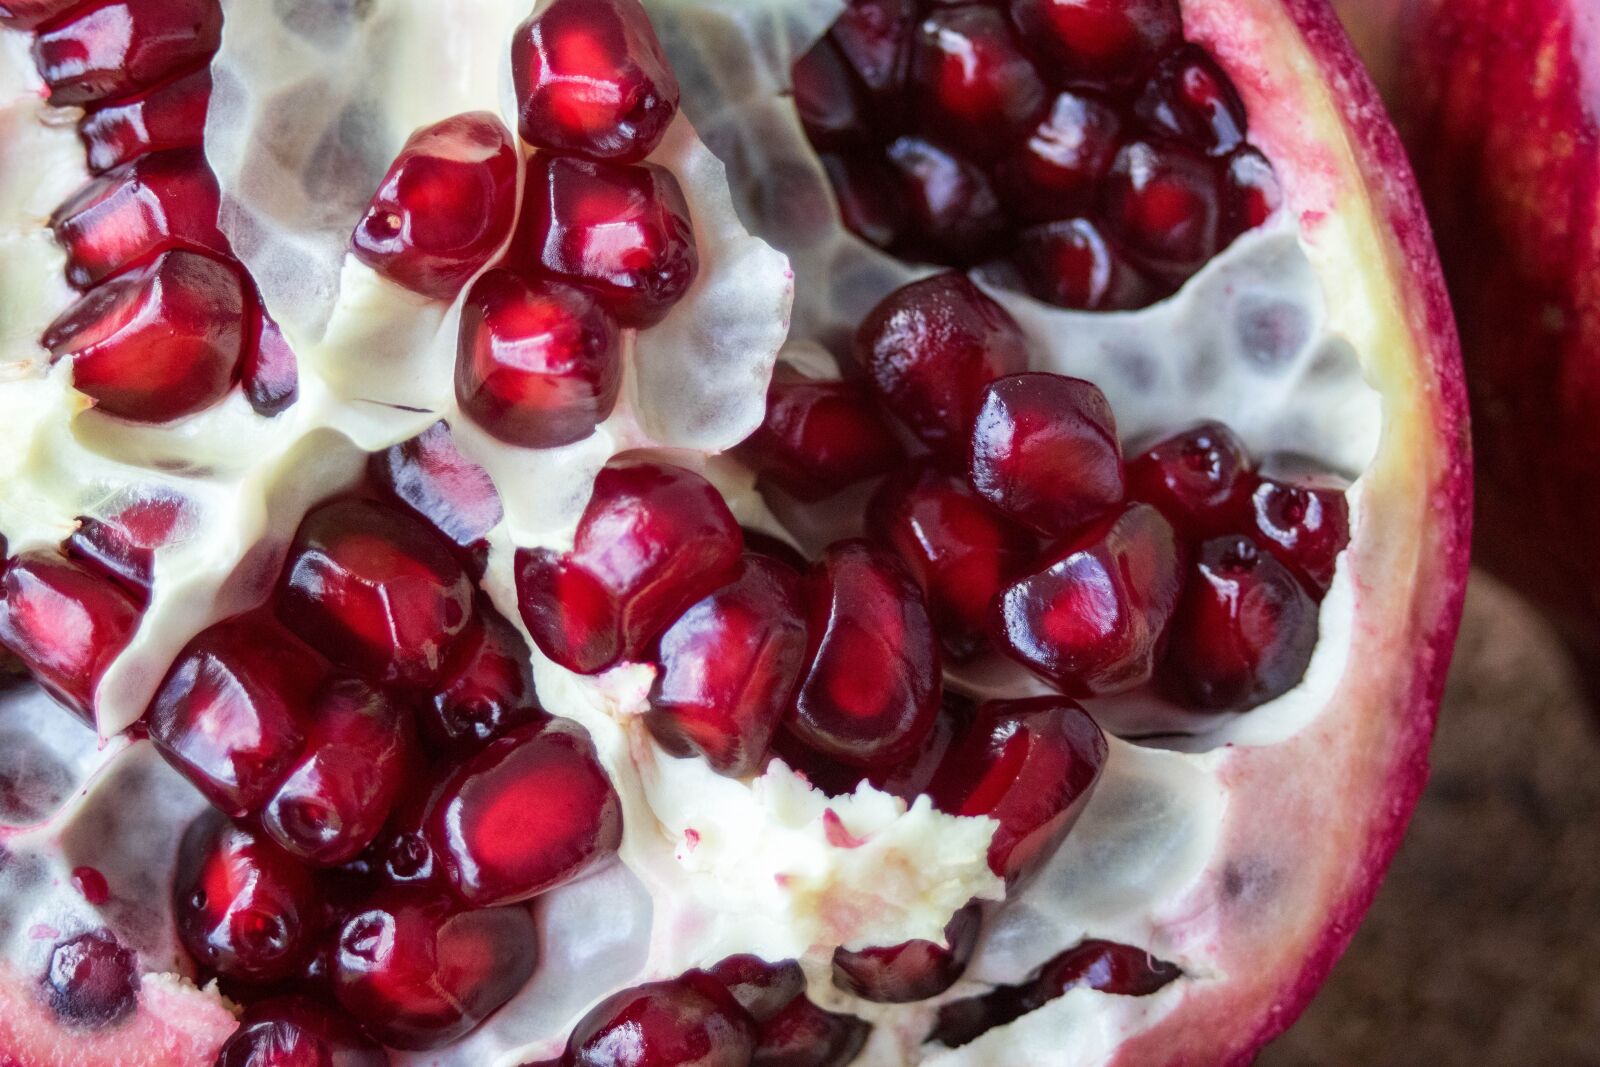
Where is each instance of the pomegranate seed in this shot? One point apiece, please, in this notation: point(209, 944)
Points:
point(820, 436)
point(828, 97)
point(1072, 264)
point(1111, 40)
point(970, 83)
point(1191, 99)
point(157, 343)
point(1199, 479)
point(172, 115)
point(729, 668)
point(868, 196)
point(953, 213)
point(244, 908)
point(1163, 202)
point(538, 363)
point(429, 475)
point(418, 972)
point(444, 208)
point(298, 1032)
point(961, 550)
point(122, 46)
point(914, 970)
point(92, 980)
point(907, 779)
point(1045, 451)
point(1250, 191)
point(375, 590)
point(1091, 620)
point(691, 1019)
point(91, 885)
point(65, 624)
point(27, 14)
point(622, 231)
point(1056, 169)
point(231, 714)
point(763, 989)
point(530, 812)
point(774, 548)
point(122, 546)
point(491, 694)
point(653, 540)
point(591, 79)
point(1030, 765)
point(870, 690)
point(402, 855)
point(874, 36)
point(1305, 524)
point(269, 371)
point(930, 348)
point(803, 1035)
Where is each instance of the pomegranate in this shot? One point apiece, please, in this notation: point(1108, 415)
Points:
point(879, 532)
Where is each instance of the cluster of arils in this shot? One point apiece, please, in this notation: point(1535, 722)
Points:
point(1079, 150)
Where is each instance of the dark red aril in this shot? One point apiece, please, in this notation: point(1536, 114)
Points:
point(1045, 451)
point(691, 1019)
point(376, 590)
point(1191, 99)
point(952, 213)
point(92, 980)
point(623, 231)
point(907, 779)
point(1092, 618)
point(1164, 202)
point(930, 348)
point(157, 343)
point(828, 97)
point(591, 79)
point(728, 669)
point(763, 989)
point(804, 1035)
point(419, 972)
point(1054, 171)
point(868, 196)
point(820, 435)
point(1305, 523)
point(913, 970)
point(491, 692)
point(1101, 40)
point(444, 208)
point(295, 1031)
point(1199, 479)
point(244, 908)
point(874, 36)
point(532, 811)
point(1030, 765)
point(870, 690)
point(1250, 191)
point(119, 47)
point(121, 545)
point(430, 475)
point(538, 362)
point(172, 115)
point(66, 624)
point(775, 548)
point(269, 373)
point(653, 539)
point(971, 85)
point(1073, 264)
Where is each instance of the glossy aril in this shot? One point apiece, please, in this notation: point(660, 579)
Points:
point(868, 196)
point(158, 342)
point(870, 690)
point(532, 811)
point(1054, 171)
point(121, 545)
point(1163, 201)
point(762, 989)
point(622, 231)
point(171, 115)
point(591, 79)
point(952, 212)
point(653, 539)
point(1073, 264)
point(490, 693)
point(1305, 523)
point(119, 47)
point(298, 1032)
point(1191, 99)
point(1030, 765)
point(1045, 451)
point(820, 435)
point(539, 362)
point(804, 1035)
point(1091, 618)
point(376, 591)
point(1199, 479)
point(691, 1019)
point(419, 972)
point(929, 349)
point(244, 908)
point(444, 208)
point(828, 97)
point(1114, 40)
point(92, 980)
point(1250, 189)
point(269, 373)
point(874, 36)
point(728, 669)
point(914, 970)
point(971, 85)
point(65, 624)
point(430, 475)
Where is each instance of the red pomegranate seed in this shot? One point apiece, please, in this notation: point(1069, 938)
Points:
point(375, 590)
point(907, 779)
point(296, 1031)
point(157, 343)
point(1199, 479)
point(122, 546)
point(491, 694)
point(868, 196)
point(359, 747)
point(591, 79)
point(232, 713)
point(1110, 40)
point(91, 885)
point(960, 549)
point(402, 855)
point(172, 115)
point(775, 548)
point(728, 669)
point(244, 908)
point(418, 972)
point(430, 475)
point(1045, 451)
point(828, 97)
point(914, 970)
point(1030, 765)
point(971, 85)
point(65, 624)
point(538, 362)
point(1092, 618)
point(1191, 99)
point(269, 371)
point(27, 14)
point(870, 690)
point(690, 1019)
point(763, 989)
point(1250, 191)
point(820, 436)
point(1055, 170)
point(122, 46)
point(445, 206)
point(953, 215)
point(803, 1035)
point(92, 980)
point(653, 540)
point(1072, 264)
point(1306, 524)
point(530, 812)
point(1163, 201)
point(622, 231)
point(930, 348)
